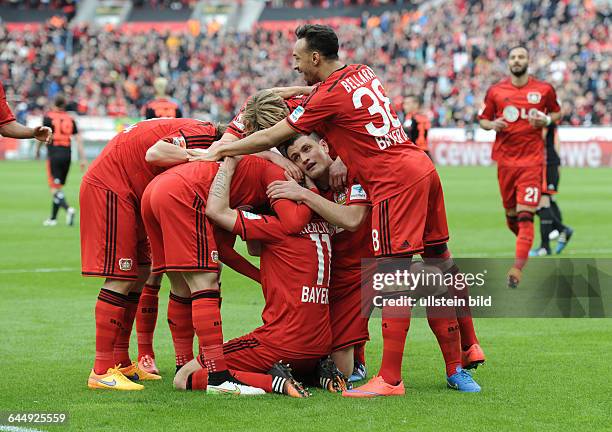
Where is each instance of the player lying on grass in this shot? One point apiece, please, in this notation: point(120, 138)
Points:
point(349, 107)
point(295, 272)
point(261, 111)
point(349, 212)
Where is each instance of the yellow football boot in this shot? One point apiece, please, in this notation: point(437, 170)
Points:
point(113, 379)
point(135, 373)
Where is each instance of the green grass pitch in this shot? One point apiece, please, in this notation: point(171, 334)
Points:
point(541, 374)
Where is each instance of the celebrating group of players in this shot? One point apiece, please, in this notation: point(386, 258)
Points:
point(345, 183)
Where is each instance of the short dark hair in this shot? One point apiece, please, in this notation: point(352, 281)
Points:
point(517, 47)
point(60, 101)
point(283, 148)
point(320, 38)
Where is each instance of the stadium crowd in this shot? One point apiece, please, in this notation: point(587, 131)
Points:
point(105, 72)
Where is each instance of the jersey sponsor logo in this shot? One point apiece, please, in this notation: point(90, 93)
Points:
point(125, 264)
point(251, 216)
point(296, 114)
point(396, 136)
point(512, 113)
point(214, 255)
point(534, 97)
point(315, 295)
point(358, 193)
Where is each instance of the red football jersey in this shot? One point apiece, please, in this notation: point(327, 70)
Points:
point(295, 271)
point(122, 168)
point(249, 183)
point(519, 144)
point(351, 110)
point(348, 248)
point(236, 127)
point(6, 115)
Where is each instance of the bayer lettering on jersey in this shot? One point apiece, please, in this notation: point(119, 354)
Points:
point(315, 295)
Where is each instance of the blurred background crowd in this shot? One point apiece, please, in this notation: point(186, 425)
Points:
point(448, 54)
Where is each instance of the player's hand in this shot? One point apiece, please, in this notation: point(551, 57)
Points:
point(289, 167)
point(498, 125)
point(337, 175)
point(538, 119)
point(42, 133)
point(195, 155)
point(289, 189)
point(230, 163)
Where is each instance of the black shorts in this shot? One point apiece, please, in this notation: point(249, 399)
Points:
point(552, 180)
point(58, 165)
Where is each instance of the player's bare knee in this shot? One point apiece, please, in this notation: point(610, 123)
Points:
point(198, 281)
point(118, 285)
point(344, 360)
point(154, 279)
point(511, 212)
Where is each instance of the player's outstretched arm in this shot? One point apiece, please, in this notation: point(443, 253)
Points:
point(217, 206)
point(17, 130)
point(349, 218)
point(257, 142)
point(288, 92)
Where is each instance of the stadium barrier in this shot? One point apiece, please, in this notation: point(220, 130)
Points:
point(581, 147)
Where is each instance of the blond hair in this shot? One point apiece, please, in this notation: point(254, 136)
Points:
point(263, 110)
point(160, 84)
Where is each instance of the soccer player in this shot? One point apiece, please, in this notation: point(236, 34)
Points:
point(416, 123)
point(517, 108)
point(10, 128)
point(262, 110)
point(350, 109)
point(295, 273)
point(163, 105)
point(59, 157)
point(184, 246)
point(349, 211)
point(113, 240)
point(146, 316)
point(548, 210)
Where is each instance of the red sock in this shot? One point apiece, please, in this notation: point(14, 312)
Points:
point(395, 325)
point(206, 316)
point(524, 239)
point(122, 344)
point(359, 353)
point(110, 310)
point(463, 313)
point(146, 319)
point(199, 379)
point(266, 382)
point(181, 328)
point(447, 332)
point(512, 223)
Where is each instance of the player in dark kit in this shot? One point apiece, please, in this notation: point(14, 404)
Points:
point(350, 109)
point(59, 157)
point(416, 123)
point(10, 128)
point(548, 210)
point(517, 108)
